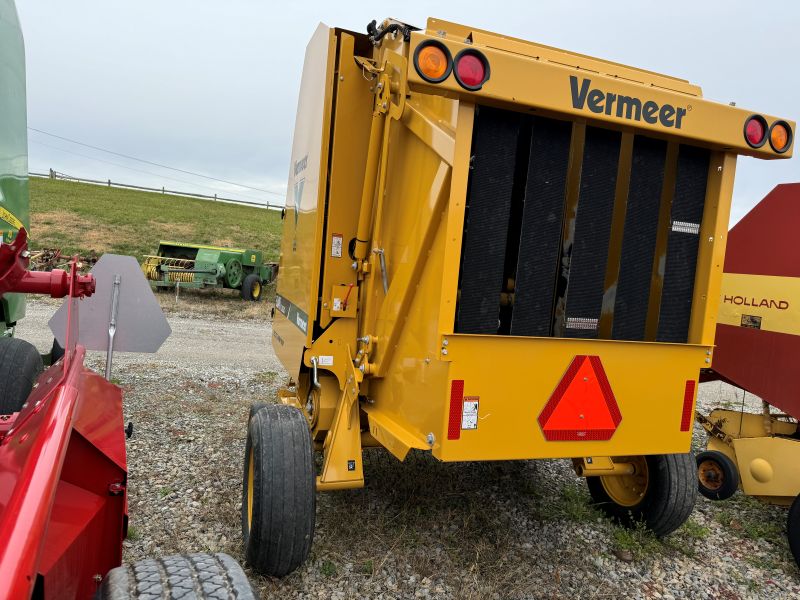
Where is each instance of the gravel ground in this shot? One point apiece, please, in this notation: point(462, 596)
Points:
point(420, 529)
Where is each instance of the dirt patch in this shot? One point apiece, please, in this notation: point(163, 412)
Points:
point(69, 230)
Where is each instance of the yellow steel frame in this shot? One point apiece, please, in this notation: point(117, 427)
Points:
point(392, 170)
point(764, 450)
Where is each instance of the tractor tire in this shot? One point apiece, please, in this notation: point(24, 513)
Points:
point(201, 576)
point(279, 491)
point(717, 475)
point(668, 496)
point(793, 529)
point(252, 288)
point(56, 352)
point(255, 407)
point(20, 365)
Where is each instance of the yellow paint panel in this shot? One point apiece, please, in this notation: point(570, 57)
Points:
point(302, 226)
point(768, 466)
point(565, 89)
point(773, 301)
point(514, 378)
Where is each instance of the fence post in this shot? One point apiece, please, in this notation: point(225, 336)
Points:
point(162, 189)
point(109, 183)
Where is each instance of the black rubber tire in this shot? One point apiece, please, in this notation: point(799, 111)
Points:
point(248, 285)
point(793, 529)
point(56, 352)
point(20, 365)
point(202, 576)
point(284, 491)
point(667, 503)
point(255, 407)
point(730, 476)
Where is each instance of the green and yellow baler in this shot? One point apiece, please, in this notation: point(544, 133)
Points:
point(197, 266)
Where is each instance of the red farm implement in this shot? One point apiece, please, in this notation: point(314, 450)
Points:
point(63, 467)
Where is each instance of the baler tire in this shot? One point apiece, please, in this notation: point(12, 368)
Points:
point(202, 576)
point(252, 288)
point(793, 529)
point(20, 365)
point(725, 468)
point(668, 501)
point(278, 514)
point(255, 407)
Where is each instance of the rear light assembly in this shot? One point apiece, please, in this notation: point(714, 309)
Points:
point(755, 131)
point(780, 136)
point(471, 69)
point(433, 61)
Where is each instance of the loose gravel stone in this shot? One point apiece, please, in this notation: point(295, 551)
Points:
point(419, 529)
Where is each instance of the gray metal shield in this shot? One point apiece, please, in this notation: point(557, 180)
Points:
point(141, 326)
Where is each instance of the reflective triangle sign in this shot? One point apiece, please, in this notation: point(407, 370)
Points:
point(582, 406)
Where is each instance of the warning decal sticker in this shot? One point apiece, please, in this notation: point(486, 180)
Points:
point(469, 413)
point(336, 245)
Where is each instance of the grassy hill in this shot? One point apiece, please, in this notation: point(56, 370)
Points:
point(79, 218)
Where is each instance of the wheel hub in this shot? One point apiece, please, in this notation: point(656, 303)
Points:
point(710, 474)
point(628, 490)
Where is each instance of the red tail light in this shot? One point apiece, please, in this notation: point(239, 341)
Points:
point(471, 69)
point(755, 131)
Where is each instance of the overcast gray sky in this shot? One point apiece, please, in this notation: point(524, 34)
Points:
point(211, 86)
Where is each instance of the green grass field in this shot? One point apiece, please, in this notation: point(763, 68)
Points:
point(81, 218)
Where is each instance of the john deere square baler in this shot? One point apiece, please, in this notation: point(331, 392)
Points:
point(196, 266)
point(493, 250)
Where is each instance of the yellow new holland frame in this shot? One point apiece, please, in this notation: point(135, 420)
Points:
point(366, 329)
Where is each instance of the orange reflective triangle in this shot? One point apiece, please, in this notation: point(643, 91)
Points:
point(583, 406)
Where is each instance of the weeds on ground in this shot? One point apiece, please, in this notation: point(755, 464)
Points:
point(636, 540)
point(747, 519)
point(328, 568)
point(367, 567)
point(133, 533)
point(574, 505)
point(694, 530)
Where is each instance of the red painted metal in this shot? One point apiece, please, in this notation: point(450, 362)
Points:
point(15, 277)
point(63, 471)
point(456, 408)
point(688, 402)
point(764, 242)
point(583, 406)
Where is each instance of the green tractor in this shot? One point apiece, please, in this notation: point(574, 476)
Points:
point(20, 362)
point(196, 266)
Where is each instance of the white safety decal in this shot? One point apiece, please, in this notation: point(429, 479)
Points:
point(469, 414)
point(336, 245)
point(325, 361)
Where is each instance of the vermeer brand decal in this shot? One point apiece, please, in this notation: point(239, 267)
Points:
point(623, 107)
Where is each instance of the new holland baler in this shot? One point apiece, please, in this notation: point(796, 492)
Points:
point(493, 250)
point(758, 350)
